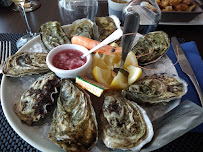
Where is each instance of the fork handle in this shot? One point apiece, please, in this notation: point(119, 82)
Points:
point(197, 87)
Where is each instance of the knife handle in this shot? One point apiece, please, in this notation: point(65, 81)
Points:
point(197, 87)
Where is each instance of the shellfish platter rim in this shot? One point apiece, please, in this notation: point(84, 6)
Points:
point(37, 135)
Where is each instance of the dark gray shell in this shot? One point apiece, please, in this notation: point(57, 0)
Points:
point(144, 46)
point(125, 125)
point(25, 63)
point(52, 35)
point(74, 126)
point(156, 89)
point(33, 102)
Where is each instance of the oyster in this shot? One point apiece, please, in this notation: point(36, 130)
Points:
point(106, 26)
point(33, 102)
point(25, 63)
point(83, 27)
point(156, 89)
point(148, 52)
point(53, 35)
point(74, 126)
point(125, 125)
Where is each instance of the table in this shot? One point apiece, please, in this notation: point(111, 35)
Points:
point(11, 22)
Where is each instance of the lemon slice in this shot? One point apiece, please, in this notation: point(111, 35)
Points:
point(103, 76)
point(110, 60)
point(134, 74)
point(114, 44)
point(119, 82)
point(130, 60)
point(98, 61)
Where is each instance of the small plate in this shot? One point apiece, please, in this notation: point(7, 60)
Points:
point(177, 16)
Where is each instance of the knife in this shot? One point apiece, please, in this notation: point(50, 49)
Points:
point(185, 66)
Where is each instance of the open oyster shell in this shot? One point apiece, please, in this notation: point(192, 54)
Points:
point(33, 102)
point(143, 48)
point(106, 25)
point(125, 125)
point(74, 126)
point(156, 89)
point(52, 35)
point(82, 27)
point(25, 63)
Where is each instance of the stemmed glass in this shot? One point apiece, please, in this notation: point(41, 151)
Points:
point(23, 40)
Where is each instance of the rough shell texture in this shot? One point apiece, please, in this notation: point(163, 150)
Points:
point(148, 52)
point(125, 125)
point(52, 35)
point(74, 126)
point(33, 102)
point(82, 27)
point(106, 26)
point(25, 63)
point(156, 89)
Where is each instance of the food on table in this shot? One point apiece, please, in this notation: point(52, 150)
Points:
point(68, 59)
point(52, 35)
point(148, 52)
point(91, 85)
point(156, 89)
point(125, 125)
point(25, 63)
point(176, 5)
point(106, 26)
point(34, 101)
point(83, 27)
point(74, 126)
point(102, 70)
point(90, 43)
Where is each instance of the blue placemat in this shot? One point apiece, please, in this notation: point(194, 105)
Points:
point(192, 53)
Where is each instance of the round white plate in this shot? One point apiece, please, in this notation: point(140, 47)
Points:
point(37, 135)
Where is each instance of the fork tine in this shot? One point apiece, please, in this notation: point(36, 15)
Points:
point(0, 49)
point(6, 51)
point(9, 48)
point(2, 58)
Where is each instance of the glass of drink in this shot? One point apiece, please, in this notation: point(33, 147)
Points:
point(71, 10)
point(23, 40)
point(149, 11)
point(30, 5)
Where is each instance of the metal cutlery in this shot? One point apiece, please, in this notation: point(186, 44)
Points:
point(5, 51)
point(131, 26)
point(186, 67)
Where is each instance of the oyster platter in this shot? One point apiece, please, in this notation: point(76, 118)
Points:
point(54, 114)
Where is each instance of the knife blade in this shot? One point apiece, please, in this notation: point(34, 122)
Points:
point(185, 66)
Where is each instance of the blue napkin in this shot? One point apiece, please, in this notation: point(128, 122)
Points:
point(192, 53)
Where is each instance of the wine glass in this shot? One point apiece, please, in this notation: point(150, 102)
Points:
point(30, 5)
point(24, 39)
point(149, 12)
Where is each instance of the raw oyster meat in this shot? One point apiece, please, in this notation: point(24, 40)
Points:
point(83, 27)
point(125, 125)
point(148, 52)
point(106, 26)
point(74, 126)
point(52, 35)
point(33, 102)
point(156, 89)
point(25, 63)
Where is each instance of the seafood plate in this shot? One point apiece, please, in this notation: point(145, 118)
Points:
point(39, 135)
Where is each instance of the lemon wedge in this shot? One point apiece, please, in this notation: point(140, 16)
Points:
point(134, 74)
point(119, 82)
point(130, 60)
point(114, 44)
point(98, 61)
point(103, 76)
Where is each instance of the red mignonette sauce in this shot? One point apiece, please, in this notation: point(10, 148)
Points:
point(68, 59)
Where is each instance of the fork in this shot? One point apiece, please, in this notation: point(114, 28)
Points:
point(5, 51)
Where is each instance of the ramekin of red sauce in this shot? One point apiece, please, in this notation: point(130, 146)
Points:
point(65, 60)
